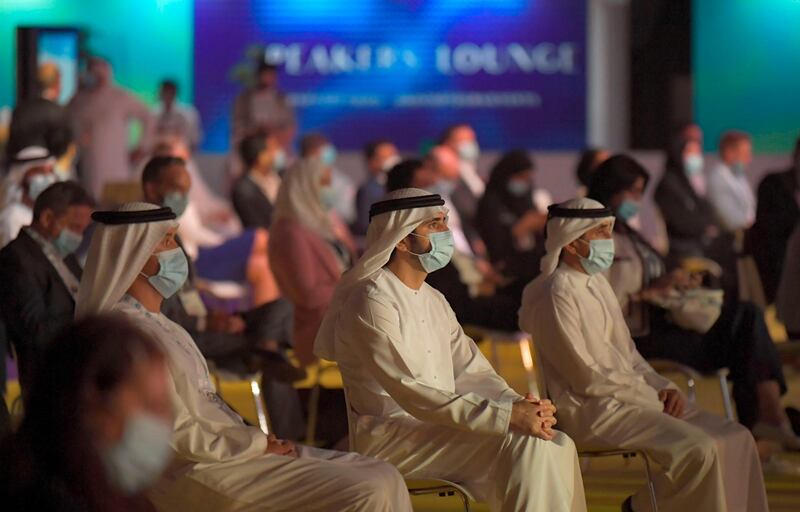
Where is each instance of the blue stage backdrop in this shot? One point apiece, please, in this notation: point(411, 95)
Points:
point(403, 69)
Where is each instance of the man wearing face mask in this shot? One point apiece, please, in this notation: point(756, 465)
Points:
point(776, 217)
point(30, 173)
point(421, 394)
point(380, 156)
point(607, 394)
point(134, 264)
point(40, 274)
point(728, 189)
point(255, 193)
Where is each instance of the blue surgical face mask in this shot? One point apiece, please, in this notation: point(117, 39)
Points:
point(279, 160)
point(693, 164)
point(469, 151)
point(328, 155)
point(601, 256)
point(518, 188)
point(442, 247)
point(327, 196)
point(627, 210)
point(177, 202)
point(138, 459)
point(39, 183)
point(173, 269)
point(67, 242)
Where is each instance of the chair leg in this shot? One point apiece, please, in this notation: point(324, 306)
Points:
point(313, 411)
point(726, 394)
point(255, 388)
point(650, 486)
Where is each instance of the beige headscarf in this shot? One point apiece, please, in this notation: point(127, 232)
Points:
point(299, 197)
point(563, 231)
point(26, 159)
point(117, 254)
point(385, 231)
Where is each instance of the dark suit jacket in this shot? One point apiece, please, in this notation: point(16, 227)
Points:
point(32, 120)
point(776, 216)
point(34, 301)
point(466, 204)
point(686, 215)
point(252, 206)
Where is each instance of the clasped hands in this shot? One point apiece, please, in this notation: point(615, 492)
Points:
point(534, 417)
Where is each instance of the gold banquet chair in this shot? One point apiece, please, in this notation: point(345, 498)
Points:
point(417, 487)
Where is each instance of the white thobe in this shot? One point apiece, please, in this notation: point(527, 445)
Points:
point(102, 125)
point(423, 397)
point(607, 397)
point(12, 219)
point(221, 463)
point(181, 120)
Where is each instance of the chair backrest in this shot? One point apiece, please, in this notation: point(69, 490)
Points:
point(533, 364)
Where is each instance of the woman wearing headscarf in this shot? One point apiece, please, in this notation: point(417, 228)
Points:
point(680, 196)
point(134, 264)
point(738, 339)
point(306, 252)
point(608, 396)
point(97, 423)
point(508, 221)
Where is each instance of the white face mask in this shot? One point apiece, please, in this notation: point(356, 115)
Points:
point(390, 162)
point(138, 459)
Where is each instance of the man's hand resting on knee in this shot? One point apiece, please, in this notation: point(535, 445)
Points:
point(533, 417)
point(673, 402)
point(277, 446)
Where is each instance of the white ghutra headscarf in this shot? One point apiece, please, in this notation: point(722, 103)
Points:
point(391, 221)
point(121, 244)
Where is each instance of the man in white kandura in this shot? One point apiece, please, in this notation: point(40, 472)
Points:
point(221, 464)
point(607, 394)
point(421, 394)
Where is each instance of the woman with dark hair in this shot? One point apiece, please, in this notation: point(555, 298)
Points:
point(737, 340)
point(680, 196)
point(97, 424)
point(509, 222)
point(587, 163)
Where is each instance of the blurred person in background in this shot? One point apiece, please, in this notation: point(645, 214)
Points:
point(317, 145)
point(587, 163)
point(777, 214)
point(681, 199)
point(101, 114)
point(737, 339)
point(97, 426)
point(308, 257)
point(255, 192)
point(177, 119)
point(37, 115)
point(63, 147)
point(40, 273)
point(263, 107)
point(31, 172)
point(379, 156)
point(509, 222)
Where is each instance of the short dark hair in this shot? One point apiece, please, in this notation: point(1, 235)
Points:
point(170, 84)
point(371, 148)
point(58, 197)
point(732, 138)
point(250, 147)
point(154, 170)
point(58, 139)
point(616, 174)
point(448, 132)
point(311, 141)
point(402, 174)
